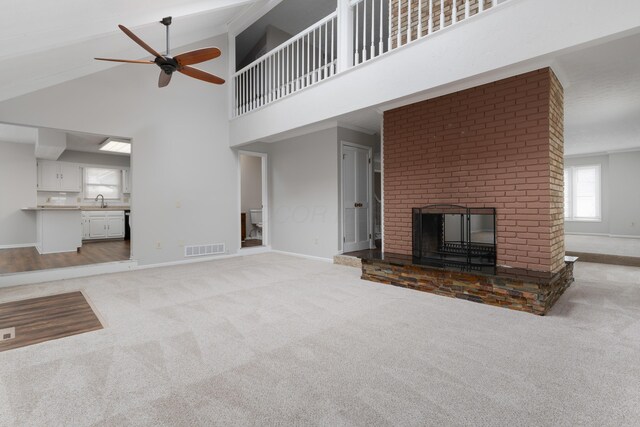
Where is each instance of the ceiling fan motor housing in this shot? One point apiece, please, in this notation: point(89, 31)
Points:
point(168, 65)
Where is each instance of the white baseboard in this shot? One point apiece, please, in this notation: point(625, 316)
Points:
point(624, 236)
point(52, 274)
point(187, 261)
point(620, 236)
point(17, 246)
point(311, 257)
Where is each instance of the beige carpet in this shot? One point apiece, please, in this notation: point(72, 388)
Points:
point(269, 339)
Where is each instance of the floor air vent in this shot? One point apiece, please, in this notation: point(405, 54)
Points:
point(204, 250)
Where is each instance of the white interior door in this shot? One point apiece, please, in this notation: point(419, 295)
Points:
point(356, 194)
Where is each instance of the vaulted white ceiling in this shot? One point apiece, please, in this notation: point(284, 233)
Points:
point(43, 43)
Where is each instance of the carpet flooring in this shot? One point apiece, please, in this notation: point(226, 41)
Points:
point(271, 339)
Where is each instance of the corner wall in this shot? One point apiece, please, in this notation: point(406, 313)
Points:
point(18, 178)
point(497, 145)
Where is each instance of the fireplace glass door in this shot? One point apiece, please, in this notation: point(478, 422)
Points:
point(455, 234)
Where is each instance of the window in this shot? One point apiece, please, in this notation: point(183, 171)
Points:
point(582, 193)
point(102, 181)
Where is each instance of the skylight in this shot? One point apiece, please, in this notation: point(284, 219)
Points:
point(116, 146)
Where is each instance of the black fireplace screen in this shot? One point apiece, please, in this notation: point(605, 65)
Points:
point(455, 234)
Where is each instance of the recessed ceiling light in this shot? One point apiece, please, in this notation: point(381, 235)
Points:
point(116, 146)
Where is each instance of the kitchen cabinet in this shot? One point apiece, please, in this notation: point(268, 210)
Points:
point(58, 176)
point(126, 181)
point(115, 226)
point(102, 225)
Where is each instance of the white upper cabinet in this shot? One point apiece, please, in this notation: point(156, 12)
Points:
point(48, 176)
point(58, 176)
point(69, 177)
point(126, 181)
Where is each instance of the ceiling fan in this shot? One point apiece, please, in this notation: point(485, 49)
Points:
point(180, 63)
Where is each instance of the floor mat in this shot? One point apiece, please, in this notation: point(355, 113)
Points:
point(37, 320)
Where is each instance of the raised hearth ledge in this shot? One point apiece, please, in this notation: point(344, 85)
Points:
point(524, 290)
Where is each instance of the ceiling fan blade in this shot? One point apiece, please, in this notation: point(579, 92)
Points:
point(139, 41)
point(164, 79)
point(201, 75)
point(197, 56)
point(128, 61)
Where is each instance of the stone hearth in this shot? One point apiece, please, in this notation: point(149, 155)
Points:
point(518, 289)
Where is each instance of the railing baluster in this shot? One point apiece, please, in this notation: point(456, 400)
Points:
point(295, 59)
point(441, 14)
point(381, 32)
point(333, 30)
point(430, 24)
point(260, 83)
point(325, 50)
point(390, 25)
point(480, 6)
point(409, 7)
point(399, 25)
point(313, 76)
point(454, 11)
point(419, 19)
point(270, 84)
point(494, 3)
point(467, 9)
point(372, 53)
point(356, 58)
point(305, 59)
point(364, 32)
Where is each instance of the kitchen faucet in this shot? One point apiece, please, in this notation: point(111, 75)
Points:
point(102, 204)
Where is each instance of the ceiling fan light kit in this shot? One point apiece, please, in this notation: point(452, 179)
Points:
point(169, 65)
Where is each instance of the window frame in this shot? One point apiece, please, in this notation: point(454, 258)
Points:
point(571, 184)
point(118, 186)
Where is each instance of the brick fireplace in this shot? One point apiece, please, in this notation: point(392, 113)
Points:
point(490, 155)
point(499, 145)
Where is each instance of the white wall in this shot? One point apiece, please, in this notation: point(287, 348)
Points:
point(303, 191)
point(185, 175)
point(516, 37)
point(620, 195)
point(18, 178)
point(624, 209)
point(250, 185)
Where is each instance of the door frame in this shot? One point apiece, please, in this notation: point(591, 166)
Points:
point(369, 191)
point(266, 238)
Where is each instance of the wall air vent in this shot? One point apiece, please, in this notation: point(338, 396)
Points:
point(204, 250)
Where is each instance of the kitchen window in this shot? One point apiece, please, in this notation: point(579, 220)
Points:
point(582, 193)
point(102, 181)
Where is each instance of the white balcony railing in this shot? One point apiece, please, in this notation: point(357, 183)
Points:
point(375, 28)
point(302, 61)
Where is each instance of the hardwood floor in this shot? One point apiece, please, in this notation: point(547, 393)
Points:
point(606, 259)
point(28, 259)
point(249, 243)
point(47, 318)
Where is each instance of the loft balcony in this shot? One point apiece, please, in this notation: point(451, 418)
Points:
point(371, 64)
point(355, 33)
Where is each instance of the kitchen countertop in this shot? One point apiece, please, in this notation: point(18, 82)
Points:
point(76, 208)
point(52, 208)
point(108, 208)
